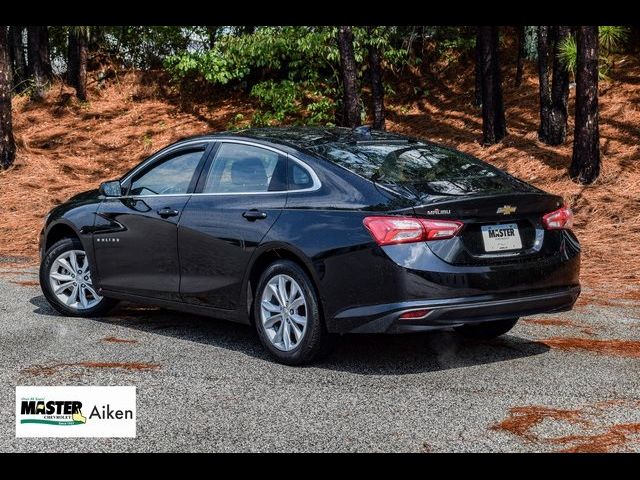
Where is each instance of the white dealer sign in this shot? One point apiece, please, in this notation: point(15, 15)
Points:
point(75, 411)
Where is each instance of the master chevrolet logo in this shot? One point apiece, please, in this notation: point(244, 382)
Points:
point(62, 412)
point(506, 210)
point(65, 411)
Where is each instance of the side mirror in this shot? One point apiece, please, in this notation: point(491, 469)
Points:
point(111, 189)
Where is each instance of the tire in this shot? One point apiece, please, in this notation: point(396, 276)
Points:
point(94, 306)
point(487, 330)
point(314, 339)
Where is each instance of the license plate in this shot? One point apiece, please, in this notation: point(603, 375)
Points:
point(501, 237)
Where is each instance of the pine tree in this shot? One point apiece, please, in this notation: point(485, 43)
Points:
point(558, 112)
point(44, 52)
point(72, 57)
point(521, 56)
point(17, 58)
point(36, 68)
point(377, 87)
point(545, 48)
point(7, 144)
point(77, 56)
point(493, 121)
point(585, 164)
point(351, 95)
point(81, 80)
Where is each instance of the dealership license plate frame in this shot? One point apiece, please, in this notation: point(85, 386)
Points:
point(508, 240)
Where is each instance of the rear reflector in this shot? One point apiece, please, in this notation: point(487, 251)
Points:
point(391, 230)
point(559, 219)
point(414, 314)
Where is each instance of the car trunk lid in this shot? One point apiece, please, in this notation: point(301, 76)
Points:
point(497, 228)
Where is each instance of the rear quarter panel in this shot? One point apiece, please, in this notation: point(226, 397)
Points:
point(325, 227)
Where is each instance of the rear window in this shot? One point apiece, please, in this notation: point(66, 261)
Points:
point(417, 167)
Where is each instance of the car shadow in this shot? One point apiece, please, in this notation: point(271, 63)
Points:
point(355, 353)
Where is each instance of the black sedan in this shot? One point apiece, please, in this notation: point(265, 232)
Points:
point(308, 232)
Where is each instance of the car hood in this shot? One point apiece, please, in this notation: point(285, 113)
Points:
point(83, 196)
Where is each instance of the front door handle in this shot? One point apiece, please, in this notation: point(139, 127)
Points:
point(167, 212)
point(253, 215)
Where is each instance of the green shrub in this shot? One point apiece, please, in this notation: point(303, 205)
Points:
point(610, 38)
point(292, 72)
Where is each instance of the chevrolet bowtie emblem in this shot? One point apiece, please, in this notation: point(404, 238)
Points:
point(506, 210)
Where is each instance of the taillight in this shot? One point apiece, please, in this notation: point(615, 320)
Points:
point(558, 219)
point(393, 230)
point(440, 229)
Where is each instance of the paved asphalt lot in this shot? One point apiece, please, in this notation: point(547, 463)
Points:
point(213, 388)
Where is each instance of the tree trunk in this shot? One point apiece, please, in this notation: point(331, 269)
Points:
point(17, 58)
point(585, 164)
point(213, 33)
point(521, 54)
point(559, 92)
point(43, 50)
point(35, 66)
point(545, 36)
point(377, 88)
point(351, 96)
point(493, 121)
point(478, 72)
point(531, 42)
point(7, 144)
point(72, 59)
point(96, 38)
point(81, 79)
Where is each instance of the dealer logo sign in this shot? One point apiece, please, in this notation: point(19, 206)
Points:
point(75, 411)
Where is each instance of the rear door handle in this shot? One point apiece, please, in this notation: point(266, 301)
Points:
point(253, 215)
point(168, 212)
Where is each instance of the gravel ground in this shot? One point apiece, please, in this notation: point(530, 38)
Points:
point(215, 389)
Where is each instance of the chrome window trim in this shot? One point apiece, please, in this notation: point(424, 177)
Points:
point(314, 177)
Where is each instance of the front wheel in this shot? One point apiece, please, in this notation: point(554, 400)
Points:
point(287, 315)
point(487, 330)
point(65, 279)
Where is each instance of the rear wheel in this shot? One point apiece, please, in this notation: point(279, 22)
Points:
point(287, 315)
point(65, 279)
point(487, 330)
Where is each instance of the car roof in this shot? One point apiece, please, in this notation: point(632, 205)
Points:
point(306, 137)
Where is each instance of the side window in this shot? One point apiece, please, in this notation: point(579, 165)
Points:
point(171, 176)
point(299, 177)
point(242, 168)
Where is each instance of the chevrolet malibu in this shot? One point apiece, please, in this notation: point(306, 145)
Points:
point(309, 232)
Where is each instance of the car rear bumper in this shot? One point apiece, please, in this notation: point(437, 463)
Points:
point(451, 312)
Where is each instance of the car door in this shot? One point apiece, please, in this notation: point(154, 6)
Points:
point(240, 195)
point(135, 238)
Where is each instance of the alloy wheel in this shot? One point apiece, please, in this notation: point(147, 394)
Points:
point(70, 280)
point(283, 312)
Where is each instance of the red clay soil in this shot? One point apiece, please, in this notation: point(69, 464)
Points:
point(555, 322)
point(521, 420)
point(118, 340)
point(49, 370)
point(559, 322)
point(65, 147)
point(615, 348)
point(612, 439)
point(26, 283)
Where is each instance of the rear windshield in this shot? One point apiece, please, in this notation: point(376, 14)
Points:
point(418, 168)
